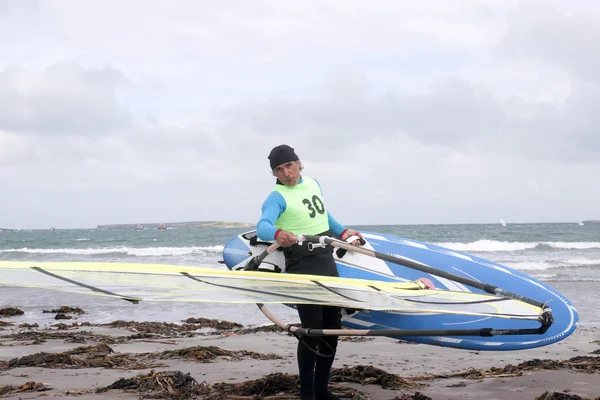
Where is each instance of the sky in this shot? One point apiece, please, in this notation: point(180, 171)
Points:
point(407, 112)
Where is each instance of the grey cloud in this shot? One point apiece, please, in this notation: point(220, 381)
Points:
point(456, 114)
point(558, 132)
point(569, 41)
point(66, 98)
point(451, 150)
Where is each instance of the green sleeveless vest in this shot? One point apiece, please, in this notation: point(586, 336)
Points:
point(305, 211)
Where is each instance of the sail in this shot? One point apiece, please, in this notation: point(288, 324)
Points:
point(158, 282)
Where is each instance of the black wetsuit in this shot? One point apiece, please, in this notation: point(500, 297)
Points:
point(314, 369)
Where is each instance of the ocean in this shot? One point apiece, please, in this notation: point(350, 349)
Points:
point(565, 256)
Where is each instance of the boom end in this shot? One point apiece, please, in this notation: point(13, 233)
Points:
point(546, 318)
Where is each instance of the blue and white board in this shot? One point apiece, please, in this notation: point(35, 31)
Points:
point(238, 251)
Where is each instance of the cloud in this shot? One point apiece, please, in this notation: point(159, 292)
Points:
point(64, 99)
point(557, 37)
point(453, 113)
point(16, 150)
point(407, 112)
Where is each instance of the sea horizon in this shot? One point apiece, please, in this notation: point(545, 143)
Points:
point(242, 224)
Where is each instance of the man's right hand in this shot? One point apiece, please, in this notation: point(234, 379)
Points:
point(285, 238)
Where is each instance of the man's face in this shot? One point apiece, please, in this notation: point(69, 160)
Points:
point(288, 173)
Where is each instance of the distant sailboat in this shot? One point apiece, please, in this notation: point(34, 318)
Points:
point(580, 223)
point(502, 222)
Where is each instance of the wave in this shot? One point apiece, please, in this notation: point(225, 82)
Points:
point(129, 251)
point(552, 264)
point(486, 245)
point(564, 278)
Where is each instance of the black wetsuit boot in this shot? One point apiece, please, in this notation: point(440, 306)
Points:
point(322, 372)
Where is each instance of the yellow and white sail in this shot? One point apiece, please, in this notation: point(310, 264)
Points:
point(160, 282)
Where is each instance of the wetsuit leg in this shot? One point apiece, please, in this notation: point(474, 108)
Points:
point(331, 320)
point(311, 316)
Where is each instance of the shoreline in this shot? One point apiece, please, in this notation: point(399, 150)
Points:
point(213, 359)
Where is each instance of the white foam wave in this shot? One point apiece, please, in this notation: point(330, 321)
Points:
point(582, 261)
point(533, 266)
point(554, 264)
point(130, 251)
point(544, 277)
point(486, 245)
point(556, 278)
point(573, 245)
point(549, 277)
point(82, 239)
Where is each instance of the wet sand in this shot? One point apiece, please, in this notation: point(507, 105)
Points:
point(82, 361)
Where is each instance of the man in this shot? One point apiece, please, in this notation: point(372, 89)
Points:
point(296, 206)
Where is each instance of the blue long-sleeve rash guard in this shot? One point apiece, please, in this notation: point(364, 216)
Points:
point(274, 206)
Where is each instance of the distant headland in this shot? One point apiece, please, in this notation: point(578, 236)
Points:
point(167, 225)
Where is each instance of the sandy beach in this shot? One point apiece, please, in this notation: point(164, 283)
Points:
point(66, 359)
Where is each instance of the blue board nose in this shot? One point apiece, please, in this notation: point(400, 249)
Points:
point(235, 252)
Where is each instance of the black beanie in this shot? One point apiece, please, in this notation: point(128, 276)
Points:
point(281, 155)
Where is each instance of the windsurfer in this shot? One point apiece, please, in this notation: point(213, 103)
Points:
point(296, 206)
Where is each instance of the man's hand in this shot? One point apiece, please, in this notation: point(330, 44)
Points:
point(285, 238)
point(351, 232)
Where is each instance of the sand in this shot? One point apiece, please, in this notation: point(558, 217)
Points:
point(427, 365)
